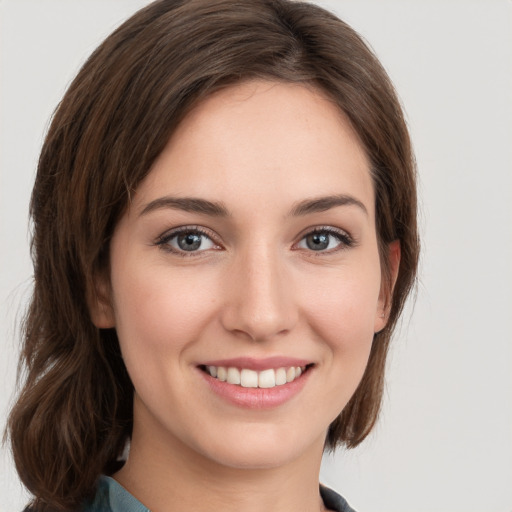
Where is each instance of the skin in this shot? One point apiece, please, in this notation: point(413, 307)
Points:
point(253, 289)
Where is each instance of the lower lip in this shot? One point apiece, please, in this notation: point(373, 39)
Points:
point(256, 398)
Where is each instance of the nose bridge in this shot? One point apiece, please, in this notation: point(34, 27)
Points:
point(260, 303)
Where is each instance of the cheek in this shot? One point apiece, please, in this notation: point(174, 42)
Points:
point(342, 316)
point(157, 311)
point(342, 306)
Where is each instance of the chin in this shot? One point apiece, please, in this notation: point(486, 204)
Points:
point(262, 448)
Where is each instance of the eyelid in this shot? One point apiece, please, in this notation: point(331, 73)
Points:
point(345, 238)
point(163, 239)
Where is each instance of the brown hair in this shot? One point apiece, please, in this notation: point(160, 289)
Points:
point(74, 413)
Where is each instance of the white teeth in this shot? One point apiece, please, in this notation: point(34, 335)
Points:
point(253, 379)
point(249, 378)
point(233, 376)
point(280, 376)
point(290, 374)
point(267, 379)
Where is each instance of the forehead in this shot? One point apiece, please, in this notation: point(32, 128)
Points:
point(264, 142)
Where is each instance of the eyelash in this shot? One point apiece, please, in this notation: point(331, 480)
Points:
point(344, 239)
point(163, 240)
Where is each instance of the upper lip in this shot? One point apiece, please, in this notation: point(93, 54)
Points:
point(258, 364)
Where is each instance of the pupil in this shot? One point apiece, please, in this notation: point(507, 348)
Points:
point(189, 242)
point(317, 241)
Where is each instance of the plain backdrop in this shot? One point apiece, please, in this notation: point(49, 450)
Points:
point(444, 441)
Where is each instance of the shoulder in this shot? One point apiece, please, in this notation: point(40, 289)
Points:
point(109, 493)
point(333, 501)
point(99, 503)
point(113, 497)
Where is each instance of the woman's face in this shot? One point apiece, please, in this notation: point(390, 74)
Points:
point(249, 251)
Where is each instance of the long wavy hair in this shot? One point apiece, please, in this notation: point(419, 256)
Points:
point(73, 415)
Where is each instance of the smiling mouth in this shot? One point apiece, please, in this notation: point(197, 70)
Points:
point(247, 378)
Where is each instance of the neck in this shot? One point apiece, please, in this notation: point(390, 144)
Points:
point(166, 476)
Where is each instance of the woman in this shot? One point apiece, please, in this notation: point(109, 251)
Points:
point(224, 238)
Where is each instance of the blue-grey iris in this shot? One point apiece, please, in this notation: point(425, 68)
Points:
point(317, 241)
point(189, 241)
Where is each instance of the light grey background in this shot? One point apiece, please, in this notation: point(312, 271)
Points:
point(444, 442)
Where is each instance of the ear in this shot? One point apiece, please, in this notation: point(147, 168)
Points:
point(387, 286)
point(100, 304)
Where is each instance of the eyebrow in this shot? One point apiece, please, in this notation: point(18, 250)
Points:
point(322, 204)
point(218, 209)
point(188, 204)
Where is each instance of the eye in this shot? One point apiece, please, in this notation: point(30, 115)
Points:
point(186, 240)
point(325, 240)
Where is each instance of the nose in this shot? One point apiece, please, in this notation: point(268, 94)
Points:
point(259, 301)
